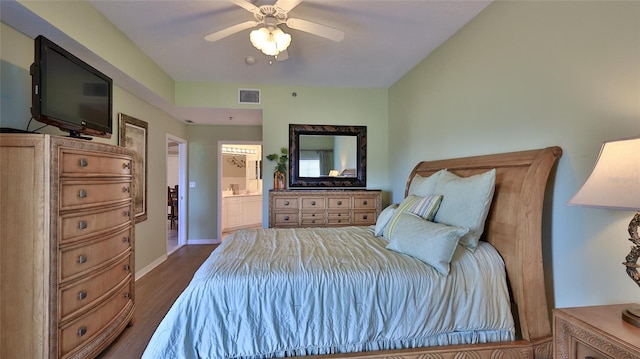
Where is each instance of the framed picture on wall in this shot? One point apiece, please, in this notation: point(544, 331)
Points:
point(134, 136)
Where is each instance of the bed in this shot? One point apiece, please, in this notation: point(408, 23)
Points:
point(340, 292)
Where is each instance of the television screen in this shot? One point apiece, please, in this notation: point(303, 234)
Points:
point(69, 93)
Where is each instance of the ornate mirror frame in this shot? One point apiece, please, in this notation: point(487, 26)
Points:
point(360, 178)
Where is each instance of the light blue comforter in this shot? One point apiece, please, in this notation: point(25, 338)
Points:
point(273, 293)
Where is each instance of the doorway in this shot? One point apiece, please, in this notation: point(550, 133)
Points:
point(176, 153)
point(239, 186)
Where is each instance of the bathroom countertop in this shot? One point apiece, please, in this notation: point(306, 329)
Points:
point(224, 195)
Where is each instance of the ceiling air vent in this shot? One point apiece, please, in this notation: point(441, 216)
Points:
point(248, 96)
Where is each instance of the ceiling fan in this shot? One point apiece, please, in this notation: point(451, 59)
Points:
point(269, 38)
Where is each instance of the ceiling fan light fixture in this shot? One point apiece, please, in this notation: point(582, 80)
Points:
point(270, 42)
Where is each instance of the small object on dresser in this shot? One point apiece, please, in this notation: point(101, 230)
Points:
point(280, 172)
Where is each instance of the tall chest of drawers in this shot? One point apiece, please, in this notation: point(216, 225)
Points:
point(323, 208)
point(66, 251)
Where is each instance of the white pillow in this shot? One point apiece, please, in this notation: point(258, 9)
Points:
point(465, 203)
point(383, 219)
point(432, 243)
point(424, 186)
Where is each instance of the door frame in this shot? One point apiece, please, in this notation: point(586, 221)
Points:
point(182, 187)
point(219, 193)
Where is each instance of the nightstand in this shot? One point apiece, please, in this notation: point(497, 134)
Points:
point(596, 332)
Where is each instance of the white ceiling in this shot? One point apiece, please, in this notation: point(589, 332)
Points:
point(383, 40)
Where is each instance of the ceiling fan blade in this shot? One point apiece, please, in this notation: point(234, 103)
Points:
point(316, 29)
point(287, 5)
point(246, 5)
point(231, 30)
point(282, 55)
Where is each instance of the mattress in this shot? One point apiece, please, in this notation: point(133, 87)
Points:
point(267, 293)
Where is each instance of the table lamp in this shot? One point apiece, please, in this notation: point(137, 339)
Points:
point(614, 183)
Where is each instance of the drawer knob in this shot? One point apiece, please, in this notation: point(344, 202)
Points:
point(83, 162)
point(286, 218)
point(364, 217)
point(82, 193)
point(126, 165)
point(82, 224)
point(82, 295)
point(126, 267)
point(127, 295)
point(126, 214)
point(339, 214)
point(125, 240)
point(82, 259)
point(365, 202)
point(339, 203)
point(126, 189)
point(286, 203)
point(82, 331)
point(313, 203)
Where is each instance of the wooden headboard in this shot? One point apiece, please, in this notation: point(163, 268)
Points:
point(514, 225)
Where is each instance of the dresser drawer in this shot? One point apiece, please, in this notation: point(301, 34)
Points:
point(312, 203)
point(286, 203)
point(339, 203)
point(82, 225)
point(338, 218)
point(76, 195)
point(87, 291)
point(91, 324)
point(78, 259)
point(286, 219)
point(583, 350)
point(86, 164)
point(364, 203)
point(312, 219)
point(364, 218)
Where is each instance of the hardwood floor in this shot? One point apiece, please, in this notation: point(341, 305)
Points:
point(155, 293)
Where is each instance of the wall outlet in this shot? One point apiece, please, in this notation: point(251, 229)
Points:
point(192, 184)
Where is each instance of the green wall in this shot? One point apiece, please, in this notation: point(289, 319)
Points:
point(531, 74)
point(137, 78)
point(310, 105)
point(521, 75)
point(16, 55)
point(84, 24)
point(203, 169)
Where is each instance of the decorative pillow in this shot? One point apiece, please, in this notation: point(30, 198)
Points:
point(384, 218)
point(424, 186)
point(466, 202)
point(432, 243)
point(424, 207)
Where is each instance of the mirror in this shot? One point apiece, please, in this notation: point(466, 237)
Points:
point(327, 156)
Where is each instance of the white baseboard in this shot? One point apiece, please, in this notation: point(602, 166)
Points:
point(142, 272)
point(203, 241)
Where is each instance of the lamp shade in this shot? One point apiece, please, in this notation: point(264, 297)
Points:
point(271, 41)
point(615, 180)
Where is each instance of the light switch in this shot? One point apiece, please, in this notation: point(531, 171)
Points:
point(192, 184)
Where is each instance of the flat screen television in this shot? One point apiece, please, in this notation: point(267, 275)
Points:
point(69, 93)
